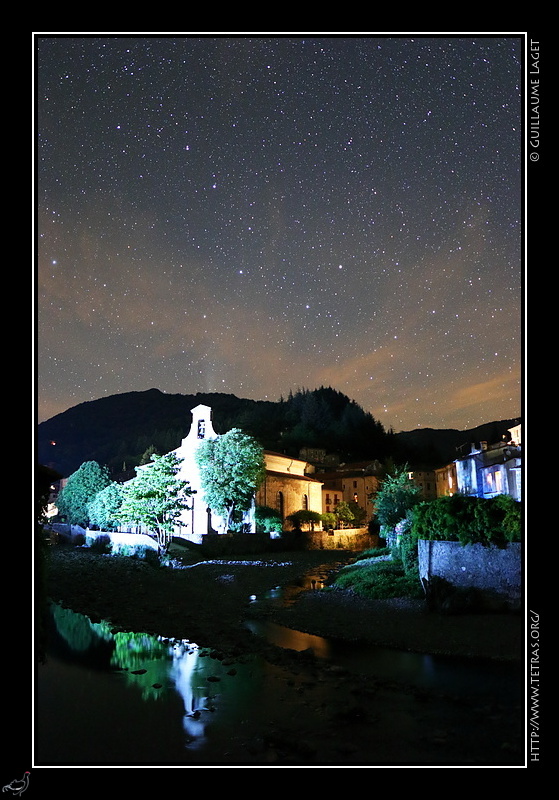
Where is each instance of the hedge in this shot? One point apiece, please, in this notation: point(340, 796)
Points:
point(469, 520)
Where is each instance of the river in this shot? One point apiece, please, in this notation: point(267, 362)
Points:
point(107, 698)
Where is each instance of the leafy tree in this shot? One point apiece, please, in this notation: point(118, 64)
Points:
point(343, 513)
point(232, 468)
point(359, 514)
point(304, 516)
point(329, 519)
point(156, 497)
point(349, 512)
point(103, 510)
point(81, 488)
point(396, 496)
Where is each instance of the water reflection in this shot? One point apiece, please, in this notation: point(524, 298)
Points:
point(112, 697)
point(291, 639)
point(155, 669)
point(311, 581)
point(500, 679)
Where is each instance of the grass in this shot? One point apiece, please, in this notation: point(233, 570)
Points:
point(378, 579)
point(375, 552)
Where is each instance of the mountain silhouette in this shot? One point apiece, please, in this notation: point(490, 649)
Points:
point(118, 430)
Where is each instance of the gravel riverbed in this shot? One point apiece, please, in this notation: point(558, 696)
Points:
point(209, 602)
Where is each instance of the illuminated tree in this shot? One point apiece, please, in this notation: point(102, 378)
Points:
point(344, 513)
point(156, 497)
point(359, 513)
point(396, 496)
point(81, 488)
point(232, 468)
point(328, 519)
point(103, 510)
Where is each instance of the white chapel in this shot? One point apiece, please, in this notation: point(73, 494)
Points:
point(199, 520)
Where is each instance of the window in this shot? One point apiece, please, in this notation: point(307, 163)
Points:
point(279, 503)
point(498, 481)
point(305, 502)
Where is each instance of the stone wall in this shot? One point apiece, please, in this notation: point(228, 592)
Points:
point(65, 532)
point(343, 539)
point(217, 545)
point(489, 569)
point(119, 540)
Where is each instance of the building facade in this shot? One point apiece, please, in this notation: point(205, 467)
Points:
point(487, 471)
point(446, 480)
point(288, 486)
point(427, 482)
point(351, 483)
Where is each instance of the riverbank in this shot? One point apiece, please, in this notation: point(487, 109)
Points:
point(209, 602)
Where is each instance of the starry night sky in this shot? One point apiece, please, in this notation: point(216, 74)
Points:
point(258, 213)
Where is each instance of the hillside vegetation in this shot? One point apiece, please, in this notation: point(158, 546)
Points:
point(116, 431)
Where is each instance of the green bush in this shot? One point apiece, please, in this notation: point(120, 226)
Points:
point(131, 550)
point(268, 520)
point(409, 556)
point(509, 512)
point(469, 520)
point(329, 520)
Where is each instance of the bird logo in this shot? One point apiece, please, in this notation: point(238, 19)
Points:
point(17, 787)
